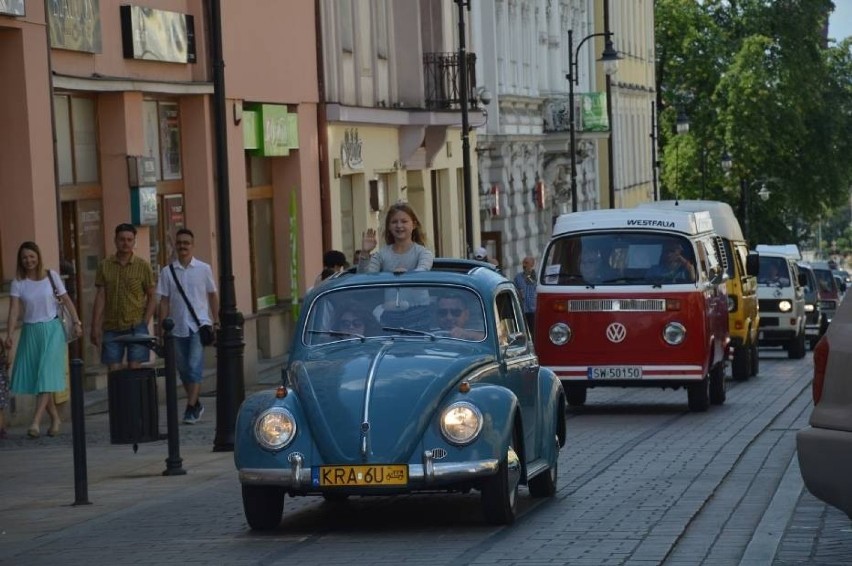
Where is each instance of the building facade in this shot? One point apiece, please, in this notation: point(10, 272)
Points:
point(524, 150)
point(392, 126)
point(126, 92)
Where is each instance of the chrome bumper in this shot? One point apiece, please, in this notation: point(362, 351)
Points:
point(427, 475)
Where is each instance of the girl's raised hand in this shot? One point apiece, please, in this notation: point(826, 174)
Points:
point(368, 241)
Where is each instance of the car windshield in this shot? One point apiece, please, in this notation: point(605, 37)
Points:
point(774, 272)
point(826, 280)
point(364, 313)
point(619, 259)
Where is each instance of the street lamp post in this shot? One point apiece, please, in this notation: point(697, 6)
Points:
point(745, 193)
point(465, 134)
point(609, 58)
point(682, 127)
point(654, 163)
point(230, 385)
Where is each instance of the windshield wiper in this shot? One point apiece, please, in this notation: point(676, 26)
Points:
point(339, 333)
point(413, 331)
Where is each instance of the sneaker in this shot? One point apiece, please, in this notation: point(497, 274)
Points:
point(189, 416)
point(198, 410)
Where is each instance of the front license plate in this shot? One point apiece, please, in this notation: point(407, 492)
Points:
point(353, 476)
point(615, 372)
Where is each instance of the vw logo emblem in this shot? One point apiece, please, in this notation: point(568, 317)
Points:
point(616, 332)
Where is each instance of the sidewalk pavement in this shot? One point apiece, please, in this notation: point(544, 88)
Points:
point(38, 491)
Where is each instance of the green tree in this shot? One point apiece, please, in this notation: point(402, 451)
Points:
point(759, 81)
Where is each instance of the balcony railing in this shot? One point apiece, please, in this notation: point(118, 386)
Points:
point(443, 80)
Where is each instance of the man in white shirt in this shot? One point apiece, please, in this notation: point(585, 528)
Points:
point(196, 279)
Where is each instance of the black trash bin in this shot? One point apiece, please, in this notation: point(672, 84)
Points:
point(133, 408)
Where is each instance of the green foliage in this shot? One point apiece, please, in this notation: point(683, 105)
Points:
point(757, 79)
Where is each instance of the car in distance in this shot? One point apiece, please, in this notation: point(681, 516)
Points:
point(815, 323)
point(825, 446)
point(399, 383)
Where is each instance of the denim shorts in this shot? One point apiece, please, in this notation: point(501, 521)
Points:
point(112, 352)
point(189, 358)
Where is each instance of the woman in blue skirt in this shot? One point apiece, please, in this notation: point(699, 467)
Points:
point(40, 360)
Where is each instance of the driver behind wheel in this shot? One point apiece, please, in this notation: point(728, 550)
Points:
point(453, 316)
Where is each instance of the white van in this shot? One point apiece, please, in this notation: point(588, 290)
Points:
point(781, 299)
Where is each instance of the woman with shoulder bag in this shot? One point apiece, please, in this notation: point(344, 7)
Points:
point(40, 359)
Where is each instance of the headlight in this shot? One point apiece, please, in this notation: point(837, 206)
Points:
point(809, 308)
point(732, 303)
point(785, 306)
point(560, 333)
point(461, 423)
point(275, 428)
point(674, 333)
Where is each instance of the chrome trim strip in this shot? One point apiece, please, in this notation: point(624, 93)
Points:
point(442, 473)
point(368, 394)
point(617, 305)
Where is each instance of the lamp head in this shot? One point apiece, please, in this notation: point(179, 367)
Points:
point(727, 162)
point(609, 57)
point(764, 193)
point(682, 122)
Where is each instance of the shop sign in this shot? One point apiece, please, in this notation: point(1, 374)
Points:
point(350, 150)
point(157, 35)
point(75, 25)
point(593, 114)
point(271, 131)
point(143, 206)
point(12, 8)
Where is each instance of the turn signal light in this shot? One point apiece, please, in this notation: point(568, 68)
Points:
point(672, 304)
point(560, 306)
point(281, 392)
point(464, 387)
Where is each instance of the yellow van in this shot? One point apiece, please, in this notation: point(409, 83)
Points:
point(742, 267)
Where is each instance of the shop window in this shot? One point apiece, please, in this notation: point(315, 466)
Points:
point(76, 139)
point(162, 137)
point(261, 240)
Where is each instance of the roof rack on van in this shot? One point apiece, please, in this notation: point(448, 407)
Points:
point(725, 222)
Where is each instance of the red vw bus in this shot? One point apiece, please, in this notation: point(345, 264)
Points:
point(634, 298)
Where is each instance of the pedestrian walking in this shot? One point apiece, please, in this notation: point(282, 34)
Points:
point(124, 302)
point(525, 281)
point(187, 294)
point(405, 244)
point(40, 359)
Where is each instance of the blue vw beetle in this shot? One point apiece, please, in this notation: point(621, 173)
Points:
point(399, 383)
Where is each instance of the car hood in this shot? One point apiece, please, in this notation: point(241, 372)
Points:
point(388, 389)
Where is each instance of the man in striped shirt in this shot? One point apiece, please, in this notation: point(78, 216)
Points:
point(124, 302)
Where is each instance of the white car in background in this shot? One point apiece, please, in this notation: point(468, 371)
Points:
point(825, 447)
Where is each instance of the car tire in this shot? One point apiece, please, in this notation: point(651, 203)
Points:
point(544, 484)
point(717, 384)
point(755, 359)
point(263, 506)
point(500, 491)
point(698, 396)
point(741, 364)
point(796, 349)
point(576, 395)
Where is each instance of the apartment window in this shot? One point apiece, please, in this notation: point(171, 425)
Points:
point(162, 137)
point(76, 139)
point(347, 24)
point(382, 29)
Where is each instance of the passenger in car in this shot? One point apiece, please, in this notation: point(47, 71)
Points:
point(673, 266)
point(773, 276)
point(356, 320)
point(453, 316)
point(594, 268)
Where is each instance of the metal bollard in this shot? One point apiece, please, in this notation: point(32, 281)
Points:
point(174, 461)
point(78, 434)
